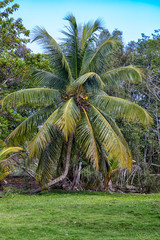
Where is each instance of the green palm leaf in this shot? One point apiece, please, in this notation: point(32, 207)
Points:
point(48, 79)
point(86, 139)
point(87, 34)
point(91, 59)
point(39, 96)
point(129, 73)
point(44, 136)
point(88, 37)
point(68, 117)
point(108, 138)
point(5, 164)
point(4, 153)
point(64, 118)
point(94, 78)
point(25, 129)
point(49, 157)
point(120, 136)
point(123, 109)
point(72, 45)
point(56, 55)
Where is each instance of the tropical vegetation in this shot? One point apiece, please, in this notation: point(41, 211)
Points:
point(6, 163)
point(78, 116)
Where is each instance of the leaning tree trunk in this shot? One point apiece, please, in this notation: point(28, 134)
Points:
point(64, 175)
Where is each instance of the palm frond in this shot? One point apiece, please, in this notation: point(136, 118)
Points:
point(87, 35)
point(120, 136)
point(123, 74)
point(72, 45)
point(56, 55)
point(25, 129)
point(92, 77)
point(92, 58)
point(48, 79)
point(44, 136)
point(7, 151)
point(108, 138)
point(68, 117)
point(41, 96)
point(63, 118)
point(86, 139)
point(6, 164)
point(123, 109)
point(48, 159)
point(93, 91)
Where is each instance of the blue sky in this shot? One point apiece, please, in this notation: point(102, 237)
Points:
point(132, 17)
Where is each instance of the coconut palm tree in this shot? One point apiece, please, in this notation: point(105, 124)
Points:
point(76, 107)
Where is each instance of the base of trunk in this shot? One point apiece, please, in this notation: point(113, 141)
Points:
point(64, 175)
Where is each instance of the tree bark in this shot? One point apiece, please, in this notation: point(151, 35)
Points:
point(79, 173)
point(76, 181)
point(64, 175)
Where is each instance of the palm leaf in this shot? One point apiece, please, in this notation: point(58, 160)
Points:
point(39, 96)
point(108, 138)
point(48, 159)
point(123, 109)
point(120, 136)
point(91, 58)
point(93, 77)
point(56, 55)
point(87, 35)
point(86, 139)
point(44, 136)
point(72, 45)
point(129, 73)
point(48, 79)
point(7, 151)
point(5, 163)
point(92, 89)
point(64, 118)
point(25, 129)
point(68, 117)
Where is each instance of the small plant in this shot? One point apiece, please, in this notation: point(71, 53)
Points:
point(6, 163)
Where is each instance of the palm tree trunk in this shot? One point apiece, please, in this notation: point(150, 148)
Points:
point(79, 173)
point(64, 175)
point(76, 181)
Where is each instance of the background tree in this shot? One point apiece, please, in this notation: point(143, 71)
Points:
point(145, 54)
point(16, 63)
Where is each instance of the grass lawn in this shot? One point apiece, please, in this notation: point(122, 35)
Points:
point(80, 215)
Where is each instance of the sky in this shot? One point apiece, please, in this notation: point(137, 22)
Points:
point(132, 17)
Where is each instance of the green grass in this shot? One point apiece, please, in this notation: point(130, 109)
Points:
point(80, 215)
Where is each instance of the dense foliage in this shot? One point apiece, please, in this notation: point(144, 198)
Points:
point(77, 105)
point(99, 66)
point(16, 63)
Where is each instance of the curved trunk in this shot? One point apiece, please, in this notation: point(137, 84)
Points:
point(64, 175)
